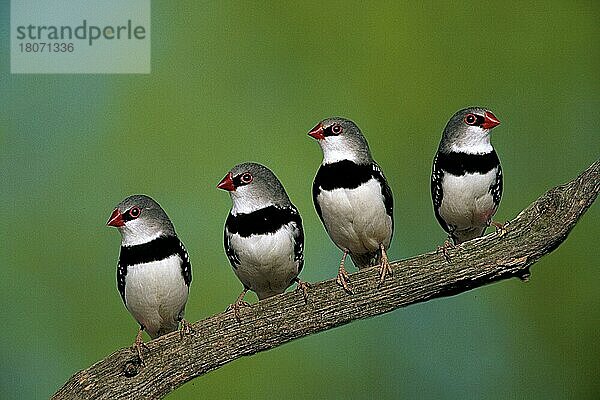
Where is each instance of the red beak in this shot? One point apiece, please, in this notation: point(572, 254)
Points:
point(490, 121)
point(116, 219)
point(227, 183)
point(317, 132)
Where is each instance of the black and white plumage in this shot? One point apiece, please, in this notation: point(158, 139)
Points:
point(466, 179)
point(263, 235)
point(154, 271)
point(352, 196)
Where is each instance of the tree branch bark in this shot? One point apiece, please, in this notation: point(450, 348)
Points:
point(220, 339)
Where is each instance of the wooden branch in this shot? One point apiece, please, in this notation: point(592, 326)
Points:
point(220, 339)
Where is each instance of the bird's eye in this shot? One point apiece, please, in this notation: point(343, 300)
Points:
point(134, 212)
point(470, 119)
point(336, 129)
point(247, 177)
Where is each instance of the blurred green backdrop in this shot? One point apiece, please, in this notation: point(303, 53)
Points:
point(233, 82)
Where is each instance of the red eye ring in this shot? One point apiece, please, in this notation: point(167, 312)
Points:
point(134, 212)
point(246, 177)
point(336, 129)
point(470, 119)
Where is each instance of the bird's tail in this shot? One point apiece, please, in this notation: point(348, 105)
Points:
point(365, 260)
point(468, 234)
point(164, 329)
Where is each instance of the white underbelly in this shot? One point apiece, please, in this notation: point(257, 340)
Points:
point(267, 264)
point(156, 293)
point(467, 201)
point(356, 219)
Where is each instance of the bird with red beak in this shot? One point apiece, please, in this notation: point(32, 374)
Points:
point(352, 197)
point(263, 238)
point(466, 178)
point(154, 271)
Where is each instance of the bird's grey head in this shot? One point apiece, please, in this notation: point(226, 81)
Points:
point(340, 139)
point(140, 219)
point(253, 186)
point(468, 131)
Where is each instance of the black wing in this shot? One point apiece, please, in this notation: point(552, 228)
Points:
point(298, 235)
point(437, 193)
point(316, 189)
point(496, 187)
point(186, 266)
point(121, 273)
point(386, 191)
point(233, 258)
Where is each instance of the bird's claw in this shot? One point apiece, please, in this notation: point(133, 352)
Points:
point(343, 279)
point(444, 249)
point(236, 307)
point(385, 268)
point(138, 345)
point(500, 228)
point(303, 287)
point(185, 328)
point(239, 303)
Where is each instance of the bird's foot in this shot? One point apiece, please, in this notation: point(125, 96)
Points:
point(239, 303)
point(185, 328)
point(303, 286)
point(236, 307)
point(444, 249)
point(385, 267)
point(343, 279)
point(500, 228)
point(138, 344)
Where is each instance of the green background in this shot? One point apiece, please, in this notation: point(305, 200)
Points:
point(234, 82)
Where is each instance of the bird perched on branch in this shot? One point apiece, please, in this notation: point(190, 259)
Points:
point(264, 240)
point(352, 197)
point(154, 271)
point(466, 179)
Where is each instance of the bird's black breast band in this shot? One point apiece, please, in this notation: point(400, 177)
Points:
point(344, 174)
point(459, 164)
point(155, 250)
point(266, 220)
